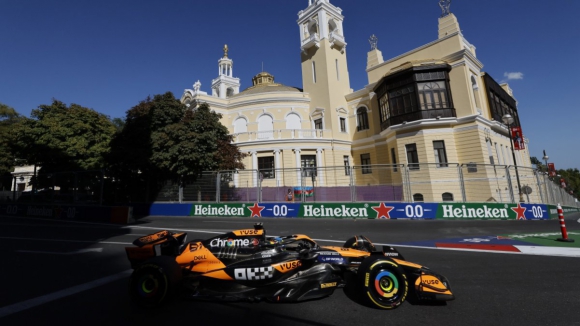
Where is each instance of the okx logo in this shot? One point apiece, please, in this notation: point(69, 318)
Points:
point(254, 274)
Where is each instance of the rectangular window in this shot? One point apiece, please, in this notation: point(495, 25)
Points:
point(440, 154)
point(318, 124)
point(499, 154)
point(337, 71)
point(266, 167)
point(313, 72)
point(308, 164)
point(346, 165)
point(412, 156)
point(342, 124)
point(365, 162)
point(490, 153)
point(394, 159)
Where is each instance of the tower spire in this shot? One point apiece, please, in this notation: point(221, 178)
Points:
point(225, 84)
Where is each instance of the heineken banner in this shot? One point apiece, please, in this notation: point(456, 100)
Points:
point(383, 210)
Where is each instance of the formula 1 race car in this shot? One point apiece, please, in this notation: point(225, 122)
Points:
point(248, 265)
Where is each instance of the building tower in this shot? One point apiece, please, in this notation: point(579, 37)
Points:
point(225, 85)
point(324, 68)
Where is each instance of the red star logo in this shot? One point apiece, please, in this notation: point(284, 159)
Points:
point(256, 210)
point(521, 211)
point(383, 210)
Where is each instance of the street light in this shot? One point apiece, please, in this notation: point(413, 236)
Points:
point(545, 158)
point(508, 120)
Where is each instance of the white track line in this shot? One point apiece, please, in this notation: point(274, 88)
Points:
point(25, 305)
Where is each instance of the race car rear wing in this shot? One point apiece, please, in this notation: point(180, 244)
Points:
point(162, 243)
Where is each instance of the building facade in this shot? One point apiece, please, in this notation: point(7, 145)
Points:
point(425, 112)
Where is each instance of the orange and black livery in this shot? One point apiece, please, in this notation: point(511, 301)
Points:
point(248, 265)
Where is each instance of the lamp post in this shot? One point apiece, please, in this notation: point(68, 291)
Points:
point(508, 120)
point(545, 158)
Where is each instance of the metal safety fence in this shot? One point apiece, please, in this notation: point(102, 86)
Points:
point(425, 182)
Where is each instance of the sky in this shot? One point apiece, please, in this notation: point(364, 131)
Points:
point(109, 55)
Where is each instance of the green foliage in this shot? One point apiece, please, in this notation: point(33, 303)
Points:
point(9, 118)
point(572, 178)
point(535, 161)
point(61, 138)
point(164, 140)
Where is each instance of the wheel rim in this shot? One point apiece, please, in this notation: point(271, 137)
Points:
point(148, 286)
point(386, 285)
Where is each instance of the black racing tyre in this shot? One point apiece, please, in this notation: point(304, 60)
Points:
point(382, 282)
point(154, 281)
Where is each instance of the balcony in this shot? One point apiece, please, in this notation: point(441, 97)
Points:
point(312, 40)
point(281, 134)
point(418, 115)
point(337, 41)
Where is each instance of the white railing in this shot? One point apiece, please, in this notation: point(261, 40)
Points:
point(267, 135)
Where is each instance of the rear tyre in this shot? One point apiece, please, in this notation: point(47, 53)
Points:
point(154, 281)
point(382, 282)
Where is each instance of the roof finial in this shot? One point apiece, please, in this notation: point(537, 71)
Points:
point(225, 50)
point(445, 4)
point(373, 41)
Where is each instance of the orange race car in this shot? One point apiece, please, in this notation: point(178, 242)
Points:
point(248, 265)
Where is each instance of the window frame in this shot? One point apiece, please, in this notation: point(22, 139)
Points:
point(319, 124)
point(365, 162)
point(362, 119)
point(346, 160)
point(264, 168)
point(412, 156)
point(440, 153)
point(342, 123)
point(308, 170)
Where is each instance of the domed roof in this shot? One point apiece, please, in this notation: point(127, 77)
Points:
point(264, 83)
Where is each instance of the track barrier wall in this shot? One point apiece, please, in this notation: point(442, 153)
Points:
point(346, 210)
point(371, 210)
point(98, 214)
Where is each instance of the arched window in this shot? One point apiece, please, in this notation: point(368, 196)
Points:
point(433, 95)
point(475, 90)
point(418, 197)
point(447, 196)
point(474, 83)
point(265, 127)
point(240, 125)
point(312, 27)
point(362, 119)
point(293, 121)
point(229, 92)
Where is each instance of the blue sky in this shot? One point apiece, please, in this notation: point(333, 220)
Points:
point(109, 55)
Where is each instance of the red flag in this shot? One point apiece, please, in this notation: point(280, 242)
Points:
point(518, 138)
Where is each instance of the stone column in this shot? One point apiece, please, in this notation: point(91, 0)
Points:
point(277, 166)
point(319, 169)
point(254, 168)
point(298, 174)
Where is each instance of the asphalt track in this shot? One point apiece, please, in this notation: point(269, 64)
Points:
point(76, 274)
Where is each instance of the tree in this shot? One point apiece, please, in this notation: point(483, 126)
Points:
point(9, 118)
point(164, 140)
point(536, 162)
point(572, 178)
point(64, 138)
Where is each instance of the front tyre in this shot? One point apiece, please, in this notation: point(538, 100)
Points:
point(382, 282)
point(153, 281)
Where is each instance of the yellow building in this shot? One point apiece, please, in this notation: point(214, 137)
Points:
point(428, 117)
